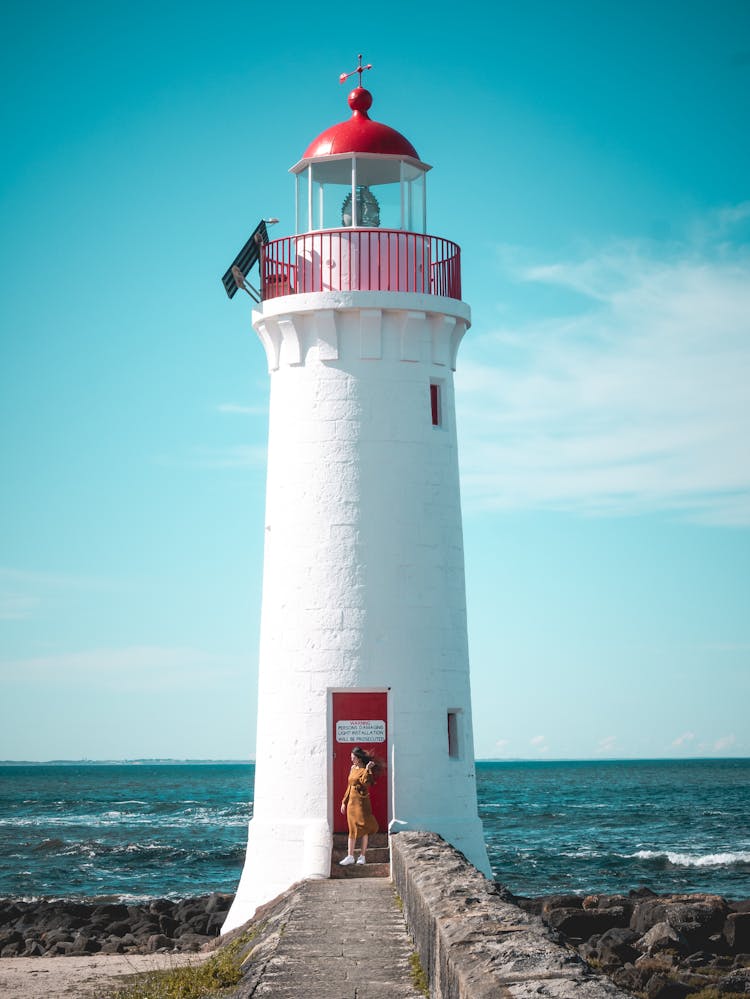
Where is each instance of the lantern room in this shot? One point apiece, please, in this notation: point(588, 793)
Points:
point(360, 174)
point(360, 217)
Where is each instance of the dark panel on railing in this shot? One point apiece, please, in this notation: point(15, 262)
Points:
point(361, 260)
point(245, 258)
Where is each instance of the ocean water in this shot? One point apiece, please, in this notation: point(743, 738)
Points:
point(137, 831)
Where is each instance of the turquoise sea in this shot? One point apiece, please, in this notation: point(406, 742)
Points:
point(178, 829)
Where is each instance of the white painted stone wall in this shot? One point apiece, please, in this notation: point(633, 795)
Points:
point(363, 583)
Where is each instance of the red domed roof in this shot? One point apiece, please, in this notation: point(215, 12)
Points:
point(360, 134)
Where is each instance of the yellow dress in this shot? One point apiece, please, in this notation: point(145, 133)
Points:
point(357, 801)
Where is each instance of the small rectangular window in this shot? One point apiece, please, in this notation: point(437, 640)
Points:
point(435, 405)
point(453, 742)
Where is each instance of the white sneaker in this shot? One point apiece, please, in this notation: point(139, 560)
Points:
point(346, 861)
point(361, 860)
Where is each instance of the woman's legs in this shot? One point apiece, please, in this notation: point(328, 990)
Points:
point(362, 859)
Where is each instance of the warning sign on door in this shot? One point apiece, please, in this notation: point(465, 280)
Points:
point(364, 730)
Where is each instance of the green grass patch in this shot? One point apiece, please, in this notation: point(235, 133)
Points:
point(418, 975)
point(212, 977)
point(711, 992)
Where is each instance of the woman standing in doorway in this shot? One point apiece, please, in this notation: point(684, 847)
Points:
point(356, 805)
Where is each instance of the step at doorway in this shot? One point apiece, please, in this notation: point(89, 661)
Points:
point(378, 858)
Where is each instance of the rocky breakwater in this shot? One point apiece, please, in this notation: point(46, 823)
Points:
point(49, 928)
point(473, 940)
point(656, 946)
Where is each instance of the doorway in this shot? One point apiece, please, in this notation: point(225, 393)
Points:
point(360, 718)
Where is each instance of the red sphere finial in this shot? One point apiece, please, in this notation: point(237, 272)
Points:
point(360, 100)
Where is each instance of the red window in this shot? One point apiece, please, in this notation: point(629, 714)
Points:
point(435, 404)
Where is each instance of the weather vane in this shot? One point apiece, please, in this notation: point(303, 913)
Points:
point(360, 69)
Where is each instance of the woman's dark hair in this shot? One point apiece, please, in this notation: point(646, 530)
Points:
point(364, 758)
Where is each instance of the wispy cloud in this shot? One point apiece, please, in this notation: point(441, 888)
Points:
point(637, 402)
point(136, 667)
point(238, 409)
point(234, 456)
point(724, 743)
point(683, 740)
point(16, 606)
point(607, 744)
point(22, 591)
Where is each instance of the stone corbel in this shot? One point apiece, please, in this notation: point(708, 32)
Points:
point(411, 336)
point(441, 331)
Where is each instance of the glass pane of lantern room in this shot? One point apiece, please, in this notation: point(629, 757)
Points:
point(302, 202)
point(388, 198)
point(379, 187)
point(415, 199)
point(331, 182)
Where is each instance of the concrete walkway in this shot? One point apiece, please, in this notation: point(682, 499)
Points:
point(344, 940)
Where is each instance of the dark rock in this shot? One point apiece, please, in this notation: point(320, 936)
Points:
point(615, 947)
point(663, 987)
point(696, 981)
point(167, 925)
point(158, 942)
point(561, 902)
point(218, 902)
point(531, 905)
point(113, 946)
point(61, 949)
point(145, 927)
point(33, 948)
point(215, 922)
point(609, 902)
point(735, 981)
point(161, 906)
point(588, 949)
point(662, 937)
point(695, 916)
point(191, 941)
point(53, 937)
point(650, 964)
point(628, 977)
point(117, 927)
point(737, 931)
point(9, 936)
point(105, 915)
point(583, 923)
point(13, 949)
point(48, 844)
point(84, 944)
point(699, 959)
point(642, 893)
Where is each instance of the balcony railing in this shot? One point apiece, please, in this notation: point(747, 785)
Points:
point(361, 260)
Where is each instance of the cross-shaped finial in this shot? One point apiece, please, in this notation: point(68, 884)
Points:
point(360, 69)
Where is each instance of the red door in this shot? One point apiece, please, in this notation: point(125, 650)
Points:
point(360, 718)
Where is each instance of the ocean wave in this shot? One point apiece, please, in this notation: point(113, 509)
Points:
point(220, 816)
point(693, 860)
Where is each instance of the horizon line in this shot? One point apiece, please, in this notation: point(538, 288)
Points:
point(135, 760)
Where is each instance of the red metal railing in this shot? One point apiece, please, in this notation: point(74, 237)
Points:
point(360, 260)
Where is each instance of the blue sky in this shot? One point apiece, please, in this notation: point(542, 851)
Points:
point(593, 161)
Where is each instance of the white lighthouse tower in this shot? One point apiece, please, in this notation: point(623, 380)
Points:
point(363, 622)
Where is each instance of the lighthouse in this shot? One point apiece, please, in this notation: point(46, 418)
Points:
point(363, 636)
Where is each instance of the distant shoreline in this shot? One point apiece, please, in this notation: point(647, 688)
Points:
point(167, 761)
